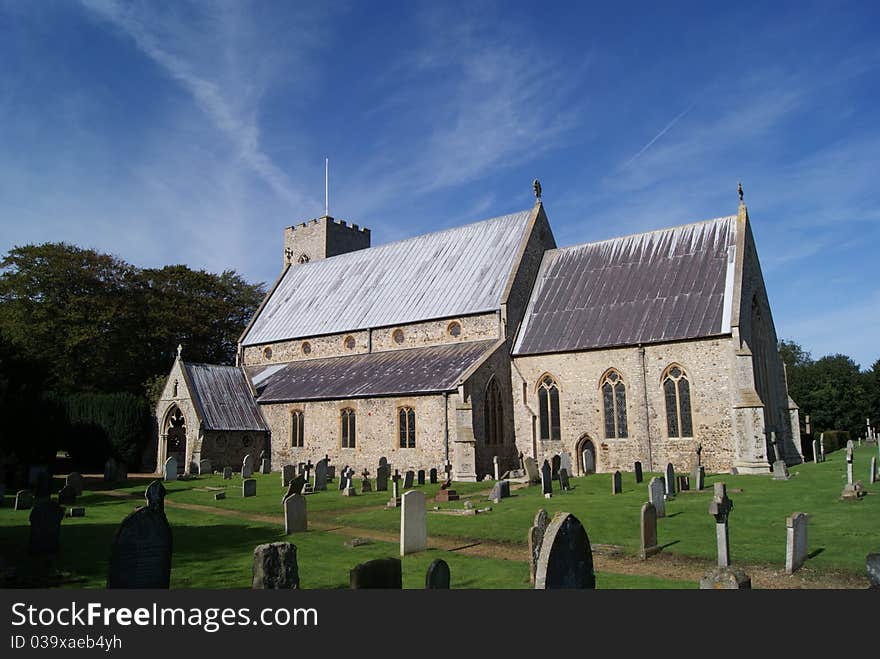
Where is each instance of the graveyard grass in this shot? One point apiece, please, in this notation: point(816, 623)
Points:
point(213, 548)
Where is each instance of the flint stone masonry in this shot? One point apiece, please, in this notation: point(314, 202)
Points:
point(275, 567)
point(566, 558)
point(795, 541)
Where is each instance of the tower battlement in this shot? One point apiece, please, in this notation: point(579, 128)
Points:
point(321, 238)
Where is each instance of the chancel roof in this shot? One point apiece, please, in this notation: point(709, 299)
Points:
point(449, 273)
point(658, 286)
point(224, 398)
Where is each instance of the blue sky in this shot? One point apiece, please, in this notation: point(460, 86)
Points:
point(194, 132)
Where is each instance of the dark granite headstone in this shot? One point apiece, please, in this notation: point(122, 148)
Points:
point(555, 463)
point(67, 496)
point(616, 483)
point(432, 476)
point(321, 469)
point(564, 483)
point(637, 468)
point(670, 480)
point(378, 573)
point(288, 473)
point(501, 490)
point(227, 473)
point(437, 577)
point(295, 486)
point(275, 567)
point(249, 487)
point(420, 477)
point(408, 478)
point(140, 556)
point(45, 519)
point(382, 474)
point(546, 479)
point(566, 558)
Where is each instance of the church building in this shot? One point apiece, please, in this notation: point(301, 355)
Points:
point(489, 340)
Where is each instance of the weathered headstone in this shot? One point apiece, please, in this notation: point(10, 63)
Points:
point(565, 462)
point(408, 479)
point(566, 558)
point(382, 473)
point(873, 478)
point(555, 463)
point(321, 473)
point(227, 473)
point(378, 573)
point(420, 477)
point(74, 480)
point(24, 499)
point(616, 483)
point(366, 486)
point(723, 576)
point(822, 445)
point(432, 476)
point(296, 486)
point(265, 467)
point(872, 563)
point(437, 577)
point(670, 480)
point(295, 518)
point(249, 487)
point(536, 537)
point(780, 471)
point(66, 496)
point(564, 483)
point(501, 490)
point(656, 495)
point(532, 471)
point(637, 468)
point(288, 473)
point(588, 459)
point(275, 567)
point(849, 462)
point(546, 480)
point(110, 470)
point(45, 518)
point(140, 556)
point(496, 468)
point(413, 523)
point(795, 541)
point(204, 467)
point(816, 455)
point(170, 473)
point(247, 466)
point(684, 483)
point(700, 478)
point(343, 475)
point(649, 545)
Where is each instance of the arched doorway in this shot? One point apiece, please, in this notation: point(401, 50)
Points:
point(175, 438)
point(586, 455)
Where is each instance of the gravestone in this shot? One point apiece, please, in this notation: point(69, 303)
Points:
point(555, 463)
point(795, 541)
point(227, 473)
point(413, 523)
point(822, 445)
point(420, 477)
point(670, 480)
point(637, 468)
point(816, 451)
point(566, 558)
point(45, 518)
point(849, 462)
point(42, 482)
point(616, 483)
point(536, 537)
point(219, 496)
point(247, 466)
point(66, 496)
point(496, 468)
point(321, 473)
point(564, 483)
point(331, 473)
point(249, 487)
point(432, 476)
point(366, 486)
point(873, 478)
point(408, 479)
point(565, 462)
point(872, 563)
point(700, 478)
point(204, 467)
point(649, 545)
point(723, 577)
point(296, 486)
point(501, 490)
point(74, 480)
point(140, 556)
point(24, 499)
point(110, 470)
point(588, 458)
point(295, 518)
point(275, 567)
point(656, 495)
point(546, 480)
point(437, 577)
point(343, 475)
point(382, 473)
point(265, 467)
point(288, 473)
point(309, 467)
point(77, 511)
point(378, 573)
point(532, 471)
point(170, 473)
point(684, 483)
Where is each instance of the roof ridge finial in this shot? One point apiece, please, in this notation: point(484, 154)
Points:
point(536, 185)
point(179, 350)
point(739, 190)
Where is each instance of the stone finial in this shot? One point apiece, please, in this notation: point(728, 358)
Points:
point(536, 185)
point(179, 350)
point(739, 190)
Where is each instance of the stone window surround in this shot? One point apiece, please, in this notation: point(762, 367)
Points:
point(294, 412)
point(538, 387)
point(623, 381)
point(352, 416)
point(397, 412)
point(686, 374)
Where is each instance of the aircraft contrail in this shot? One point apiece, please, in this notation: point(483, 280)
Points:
point(659, 135)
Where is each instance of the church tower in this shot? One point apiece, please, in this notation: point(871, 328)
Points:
point(322, 238)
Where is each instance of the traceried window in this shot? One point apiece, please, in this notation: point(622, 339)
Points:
point(548, 408)
point(406, 427)
point(677, 393)
point(349, 430)
point(493, 413)
point(296, 429)
point(614, 405)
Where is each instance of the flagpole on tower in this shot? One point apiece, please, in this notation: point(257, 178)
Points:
point(327, 187)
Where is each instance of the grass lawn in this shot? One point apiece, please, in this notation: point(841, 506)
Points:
point(215, 550)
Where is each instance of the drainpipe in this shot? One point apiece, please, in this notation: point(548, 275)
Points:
point(647, 413)
point(446, 426)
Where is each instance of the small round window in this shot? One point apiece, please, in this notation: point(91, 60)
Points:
point(306, 348)
point(267, 352)
point(397, 336)
point(349, 342)
point(454, 328)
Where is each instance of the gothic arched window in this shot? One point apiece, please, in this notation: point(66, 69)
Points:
point(548, 408)
point(677, 393)
point(614, 405)
point(296, 429)
point(493, 413)
point(349, 431)
point(406, 427)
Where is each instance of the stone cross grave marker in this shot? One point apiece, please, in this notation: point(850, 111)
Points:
point(275, 567)
point(420, 477)
point(648, 519)
point(438, 576)
point(249, 487)
point(247, 466)
point(395, 490)
point(288, 473)
point(24, 499)
point(637, 468)
point(720, 508)
point(546, 480)
point(413, 523)
point(536, 537)
point(140, 556)
point(795, 541)
point(656, 495)
point(295, 517)
point(309, 467)
point(348, 480)
point(74, 480)
point(564, 483)
point(566, 558)
point(408, 479)
point(366, 485)
point(496, 468)
point(670, 480)
point(170, 473)
point(378, 573)
point(45, 519)
point(698, 453)
point(616, 483)
point(432, 476)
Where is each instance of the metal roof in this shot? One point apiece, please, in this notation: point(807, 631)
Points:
point(399, 372)
point(224, 398)
point(658, 286)
point(455, 272)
